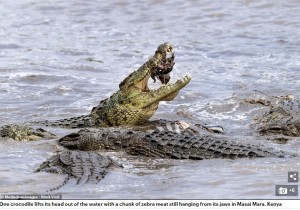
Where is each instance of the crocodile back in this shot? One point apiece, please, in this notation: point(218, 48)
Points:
point(290, 105)
point(84, 167)
point(82, 121)
point(165, 144)
point(186, 146)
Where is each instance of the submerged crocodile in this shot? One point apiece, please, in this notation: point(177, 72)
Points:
point(283, 118)
point(85, 167)
point(133, 104)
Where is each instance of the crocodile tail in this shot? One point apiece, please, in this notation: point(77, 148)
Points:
point(82, 121)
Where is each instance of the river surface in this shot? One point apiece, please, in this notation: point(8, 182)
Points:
point(58, 59)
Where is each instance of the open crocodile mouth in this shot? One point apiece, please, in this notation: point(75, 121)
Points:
point(158, 67)
point(163, 69)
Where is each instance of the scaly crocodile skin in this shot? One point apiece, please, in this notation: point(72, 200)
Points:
point(164, 144)
point(85, 167)
point(134, 103)
point(283, 118)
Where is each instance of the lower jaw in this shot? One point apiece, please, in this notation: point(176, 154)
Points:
point(171, 96)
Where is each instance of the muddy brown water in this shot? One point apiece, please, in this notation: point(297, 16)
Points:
point(60, 58)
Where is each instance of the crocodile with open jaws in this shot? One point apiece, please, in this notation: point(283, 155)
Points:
point(133, 104)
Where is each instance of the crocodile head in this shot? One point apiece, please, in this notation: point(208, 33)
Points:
point(23, 132)
point(282, 120)
point(135, 102)
point(159, 66)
